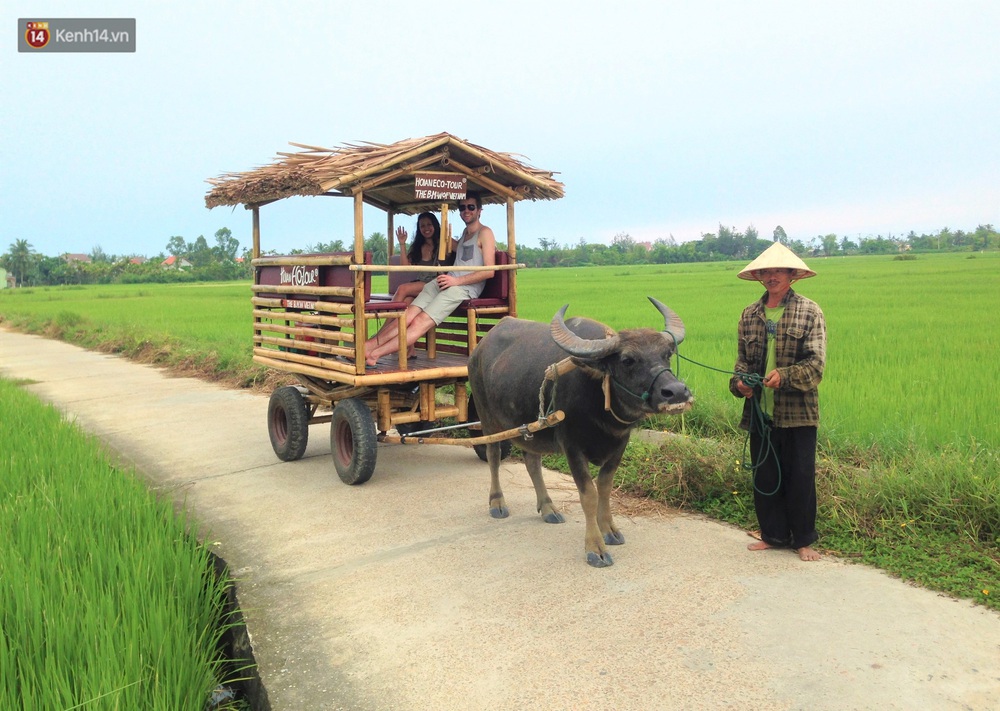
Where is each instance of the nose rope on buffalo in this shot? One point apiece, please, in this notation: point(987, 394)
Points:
point(758, 419)
point(644, 397)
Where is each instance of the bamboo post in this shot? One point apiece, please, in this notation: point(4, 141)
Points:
point(428, 400)
point(359, 228)
point(445, 245)
point(256, 232)
point(256, 254)
point(383, 409)
point(390, 226)
point(473, 335)
point(360, 322)
point(462, 402)
point(512, 251)
point(403, 348)
point(511, 241)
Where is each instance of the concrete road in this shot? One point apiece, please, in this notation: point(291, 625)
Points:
point(403, 593)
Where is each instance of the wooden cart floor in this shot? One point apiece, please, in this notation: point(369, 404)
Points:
point(418, 362)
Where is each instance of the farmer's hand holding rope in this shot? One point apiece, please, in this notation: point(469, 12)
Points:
point(747, 381)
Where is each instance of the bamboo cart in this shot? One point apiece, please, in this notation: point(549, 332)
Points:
point(312, 313)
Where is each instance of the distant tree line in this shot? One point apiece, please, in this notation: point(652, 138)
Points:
point(192, 261)
point(730, 244)
point(197, 261)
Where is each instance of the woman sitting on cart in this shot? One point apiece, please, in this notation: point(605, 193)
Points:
point(441, 296)
point(423, 252)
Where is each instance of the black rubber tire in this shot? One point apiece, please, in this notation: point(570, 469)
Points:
point(480, 449)
point(288, 423)
point(353, 441)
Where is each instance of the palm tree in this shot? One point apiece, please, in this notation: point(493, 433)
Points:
point(19, 258)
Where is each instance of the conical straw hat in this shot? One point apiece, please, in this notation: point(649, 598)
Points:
point(777, 256)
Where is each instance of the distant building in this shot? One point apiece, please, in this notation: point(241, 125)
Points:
point(137, 260)
point(6, 281)
point(173, 262)
point(76, 258)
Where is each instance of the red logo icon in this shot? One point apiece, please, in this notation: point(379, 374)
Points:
point(36, 34)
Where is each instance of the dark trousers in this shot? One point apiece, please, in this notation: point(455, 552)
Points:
point(785, 485)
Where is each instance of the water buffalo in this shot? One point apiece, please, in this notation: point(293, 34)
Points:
point(607, 383)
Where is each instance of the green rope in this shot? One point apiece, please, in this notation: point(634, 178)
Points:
point(758, 419)
point(644, 397)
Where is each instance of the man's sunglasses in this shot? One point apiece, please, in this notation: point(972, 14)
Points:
point(471, 207)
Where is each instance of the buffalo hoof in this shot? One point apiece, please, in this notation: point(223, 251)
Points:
point(501, 512)
point(599, 561)
point(614, 538)
point(553, 517)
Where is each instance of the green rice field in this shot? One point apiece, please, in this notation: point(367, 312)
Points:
point(911, 343)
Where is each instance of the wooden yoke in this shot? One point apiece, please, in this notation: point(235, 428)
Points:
point(560, 368)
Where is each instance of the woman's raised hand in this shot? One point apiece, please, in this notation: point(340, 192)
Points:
point(401, 235)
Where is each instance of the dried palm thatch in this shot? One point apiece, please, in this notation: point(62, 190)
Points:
point(384, 174)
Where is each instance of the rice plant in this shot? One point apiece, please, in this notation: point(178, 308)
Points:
point(106, 599)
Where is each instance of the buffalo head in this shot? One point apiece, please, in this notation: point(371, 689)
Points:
point(635, 364)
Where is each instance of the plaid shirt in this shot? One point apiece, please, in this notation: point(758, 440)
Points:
point(801, 355)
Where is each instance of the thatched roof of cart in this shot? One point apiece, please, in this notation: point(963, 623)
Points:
point(385, 174)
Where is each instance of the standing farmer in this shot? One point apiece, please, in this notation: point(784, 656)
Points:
point(782, 339)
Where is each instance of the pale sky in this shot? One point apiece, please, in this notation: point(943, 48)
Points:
point(662, 118)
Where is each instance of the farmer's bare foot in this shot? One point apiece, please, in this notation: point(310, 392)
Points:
point(758, 546)
point(807, 553)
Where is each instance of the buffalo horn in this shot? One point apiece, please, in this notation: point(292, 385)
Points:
point(672, 324)
point(580, 347)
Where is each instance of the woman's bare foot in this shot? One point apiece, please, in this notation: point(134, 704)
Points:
point(807, 553)
point(758, 546)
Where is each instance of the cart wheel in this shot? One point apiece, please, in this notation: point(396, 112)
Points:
point(480, 449)
point(353, 441)
point(288, 423)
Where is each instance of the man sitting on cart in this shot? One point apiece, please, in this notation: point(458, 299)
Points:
point(441, 296)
